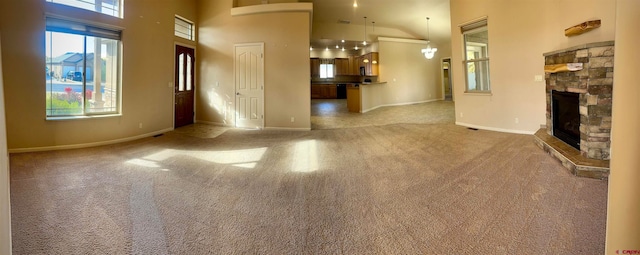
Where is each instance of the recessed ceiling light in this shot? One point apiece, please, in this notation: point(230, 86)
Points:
point(343, 40)
point(337, 47)
point(355, 3)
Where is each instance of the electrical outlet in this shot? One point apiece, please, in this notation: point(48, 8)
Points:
point(517, 120)
point(140, 125)
point(537, 78)
point(293, 119)
point(217, 84)
point(461, 115)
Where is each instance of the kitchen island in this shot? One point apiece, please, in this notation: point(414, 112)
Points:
point(353, 97)
point(366, 96)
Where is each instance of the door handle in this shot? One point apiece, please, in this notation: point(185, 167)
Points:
point(237, 93)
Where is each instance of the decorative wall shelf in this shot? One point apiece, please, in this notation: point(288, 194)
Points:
point(582, 28)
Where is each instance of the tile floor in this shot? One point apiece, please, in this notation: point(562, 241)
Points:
point(333, 113)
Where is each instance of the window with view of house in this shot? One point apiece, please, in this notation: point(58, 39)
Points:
point(476, 56)
point(184, 28)
point(108, 7)
point(82, 69)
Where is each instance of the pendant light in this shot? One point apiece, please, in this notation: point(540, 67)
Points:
point(365, 38)
point(373, 25)
point(429, 52)
point(365, 31)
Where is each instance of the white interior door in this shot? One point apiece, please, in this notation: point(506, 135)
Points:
point(249, 79)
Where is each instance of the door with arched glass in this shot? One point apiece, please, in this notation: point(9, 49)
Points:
point(184, 86)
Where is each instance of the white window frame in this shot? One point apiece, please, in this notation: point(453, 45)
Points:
point(327, 68)
point(190, 28)
point(471, 28)
point(327, 71)
point(95, 6)
point(60, 25)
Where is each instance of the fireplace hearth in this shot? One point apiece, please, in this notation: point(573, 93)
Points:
point(578, 128)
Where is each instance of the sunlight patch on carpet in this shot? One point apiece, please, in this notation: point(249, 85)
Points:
point(246, 158)
point(145, 163)
point(305, 157)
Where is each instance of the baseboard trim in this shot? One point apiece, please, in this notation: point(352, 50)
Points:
point(503, 130)
point(87, 145)
point(287, 129)
point(399, 104)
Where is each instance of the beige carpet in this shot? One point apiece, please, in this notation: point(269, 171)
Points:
point(394, 189)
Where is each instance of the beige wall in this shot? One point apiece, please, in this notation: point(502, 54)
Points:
point(519, 33)
point(286, 43)
point(239, 3)
point(5, 205)
point(623, 221)
point(353, 32)
point(410, 77)
point(148, 46)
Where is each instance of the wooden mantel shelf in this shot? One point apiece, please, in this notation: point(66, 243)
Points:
point(568, 67)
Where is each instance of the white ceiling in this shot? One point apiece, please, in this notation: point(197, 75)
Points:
point(406, 16)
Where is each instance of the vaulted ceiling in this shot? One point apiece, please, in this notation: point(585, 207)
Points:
point(393, 18)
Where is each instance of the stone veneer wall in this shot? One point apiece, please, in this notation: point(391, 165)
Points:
point(594, 83)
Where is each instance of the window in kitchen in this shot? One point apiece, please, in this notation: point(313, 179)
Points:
point(82, 69)
point(476, 56)
point(327, 68)
point(184, 28)
point(108, 7)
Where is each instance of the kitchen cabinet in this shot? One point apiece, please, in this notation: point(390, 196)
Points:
point(342, 66)
point(371, 67)
point(324, 91)
point(349, 66)
point(354, 65)
point(315, 67)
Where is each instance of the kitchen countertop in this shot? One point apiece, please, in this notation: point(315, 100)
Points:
point(350, 83)
point(366, 83)
point(373, 83)
point(331, 82)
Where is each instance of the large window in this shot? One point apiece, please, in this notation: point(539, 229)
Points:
point(184, 28)
point(108, 7)
point(327, 68)
point(82, 69)
point(476, 56)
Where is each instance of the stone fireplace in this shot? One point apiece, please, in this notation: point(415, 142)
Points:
point(582, 142)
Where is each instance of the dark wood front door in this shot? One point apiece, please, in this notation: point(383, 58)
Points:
point(184, 86)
